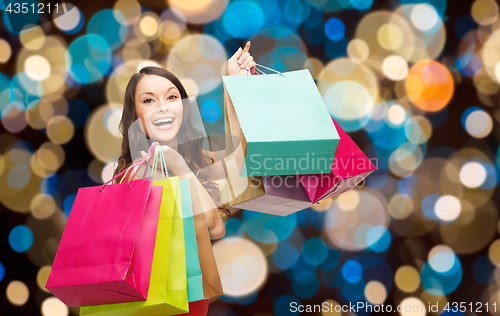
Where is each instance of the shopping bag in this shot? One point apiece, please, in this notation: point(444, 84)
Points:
point(212, 285)
point(193, 269)
point(276, 195)
point(349, 168)
point(286, 126)
point(197, 308)
point(168, 287)
point(106, 250)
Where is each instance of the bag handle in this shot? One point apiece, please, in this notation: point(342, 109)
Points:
point(154, 165)
point(137, 164)
point(159, 156)
point(261, 72)
point(153, 146)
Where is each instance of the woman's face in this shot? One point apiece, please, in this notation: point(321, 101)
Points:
point(158, 103)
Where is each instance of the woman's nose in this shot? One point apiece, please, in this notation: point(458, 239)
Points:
point(162, 107)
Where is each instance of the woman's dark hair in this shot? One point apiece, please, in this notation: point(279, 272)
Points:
point(190, 140)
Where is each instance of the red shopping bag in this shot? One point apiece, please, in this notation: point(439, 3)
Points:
point(106, 251)
point(350, 166)
point(197, 308)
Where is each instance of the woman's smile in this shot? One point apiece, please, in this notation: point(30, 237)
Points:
point(164, 123)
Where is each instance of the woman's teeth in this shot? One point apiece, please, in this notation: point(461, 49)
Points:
point(163, 122)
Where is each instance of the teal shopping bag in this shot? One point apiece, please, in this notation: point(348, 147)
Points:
point(193, 268)
point(285, 124)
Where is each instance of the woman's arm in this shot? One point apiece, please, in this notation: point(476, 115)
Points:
point(213, 217)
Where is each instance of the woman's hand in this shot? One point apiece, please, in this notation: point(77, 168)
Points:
point(175, 162)
point(240, 62)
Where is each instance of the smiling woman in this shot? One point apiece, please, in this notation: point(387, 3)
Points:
point(156, 105)
point(160, 107)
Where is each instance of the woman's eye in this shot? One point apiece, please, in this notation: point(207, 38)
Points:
point(172, 97)
point(147, 100)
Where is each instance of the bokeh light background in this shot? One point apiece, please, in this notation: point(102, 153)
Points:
point(415, 83)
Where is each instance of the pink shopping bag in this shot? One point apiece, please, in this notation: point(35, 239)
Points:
point(106, 251)
point(350, 166)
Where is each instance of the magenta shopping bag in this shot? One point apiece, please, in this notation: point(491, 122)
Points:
point(350, 166)
point(106, 251)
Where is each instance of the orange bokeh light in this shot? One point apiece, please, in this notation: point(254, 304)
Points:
point(429, 85)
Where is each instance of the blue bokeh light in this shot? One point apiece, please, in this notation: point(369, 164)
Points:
point(285, 256)
point(387, 137)
point(439, 5)
point(332, 278)
point(498, 158)
point(20, 238)
point(4, 94)
point(361, 4)
point(49, 185)
point(234, 228)
point(438, 118)
point(110, 24)
point(334, 29)
point(314, 19)
point(296, 11)
point(19, 22)
point(282, 305)
point(302, 272)
point(441, 283)
point(307, 289)
point(453, 310)
point(272, 13)
point(2, 272)
point(464, 24)
point(243, 27)
point(247, 299)
point(315, 35)
point(352, 271)
point(267, 228)
point(332, 260)
point(88, 58)
point(78, 27)
point(483, 270)
point(210, 111)
point(304, 218)
point(25, 92)
point(428, 203)
point(353, 291)
point(314, 251)
point(378, 238)
point(68, 203)
point(468, 64)
point(377, 178)
point(492, 176)
point(466, 113)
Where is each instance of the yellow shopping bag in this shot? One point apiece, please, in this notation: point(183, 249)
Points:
point(168, 286)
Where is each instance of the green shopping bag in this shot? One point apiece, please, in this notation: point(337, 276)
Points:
point(193, 269)
point(286, 126)
point(167, 293)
